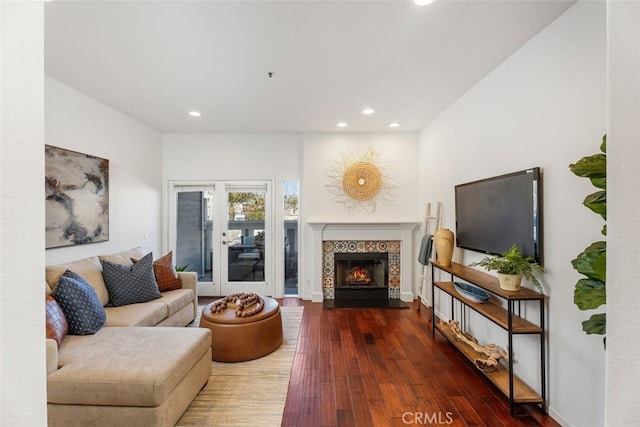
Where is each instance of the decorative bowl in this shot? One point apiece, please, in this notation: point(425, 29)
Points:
point(471, 292)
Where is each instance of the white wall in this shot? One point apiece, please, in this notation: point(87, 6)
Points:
point(231, 156)
point(544, 106)
point(22, 348)
point(623, 226)
point(80, 123)
point(397, 154)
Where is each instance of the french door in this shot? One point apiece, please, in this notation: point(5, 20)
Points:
point(223, 231)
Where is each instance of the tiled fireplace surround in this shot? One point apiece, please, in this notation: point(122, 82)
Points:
point(395, 238)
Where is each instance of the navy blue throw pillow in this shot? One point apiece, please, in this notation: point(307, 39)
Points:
point(130, 284)
point(80, 304)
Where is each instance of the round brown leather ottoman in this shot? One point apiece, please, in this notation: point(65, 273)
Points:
point(236, 339)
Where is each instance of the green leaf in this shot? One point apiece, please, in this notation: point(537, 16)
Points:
point(599, 182)
point(600, 246)
point(182, 267)
point(592, 264)
point(594, 166)
point(603, 146)
point(589, 294)
point(597, 202)
point(604, 230)
point(597, 324)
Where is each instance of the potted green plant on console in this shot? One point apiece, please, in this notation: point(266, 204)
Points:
point(511, 266)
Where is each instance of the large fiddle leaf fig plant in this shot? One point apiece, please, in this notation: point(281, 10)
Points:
point(590, 291)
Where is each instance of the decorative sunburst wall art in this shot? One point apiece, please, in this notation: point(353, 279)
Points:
point(360, 181)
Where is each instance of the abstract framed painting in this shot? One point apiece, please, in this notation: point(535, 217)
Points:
point(76, 198)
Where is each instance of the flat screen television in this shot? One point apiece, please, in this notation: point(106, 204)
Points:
point(494, 213)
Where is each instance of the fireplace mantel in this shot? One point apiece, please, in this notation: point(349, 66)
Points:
point(363, 225)
point(402, 231)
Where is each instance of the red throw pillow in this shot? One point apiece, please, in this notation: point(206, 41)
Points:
point(165, 273)
point(57, 326)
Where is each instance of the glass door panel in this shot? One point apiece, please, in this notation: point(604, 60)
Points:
point(191, 234)
point(291, 191)
point(247, 238)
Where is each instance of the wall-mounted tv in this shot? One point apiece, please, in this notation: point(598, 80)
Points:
point(494, 213)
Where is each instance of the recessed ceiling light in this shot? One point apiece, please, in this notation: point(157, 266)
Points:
point(195, 113)
point(342, 125)
point(368, 111)
point(394, 124)
point(422, 2)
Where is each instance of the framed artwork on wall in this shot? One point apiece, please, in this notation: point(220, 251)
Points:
point(76, 198)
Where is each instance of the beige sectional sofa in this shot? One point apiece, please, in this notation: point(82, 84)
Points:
point(128, 373)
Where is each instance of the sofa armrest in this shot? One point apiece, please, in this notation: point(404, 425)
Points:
point(189, 280)
point(52, 356)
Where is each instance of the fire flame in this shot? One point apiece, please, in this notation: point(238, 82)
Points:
point(358, 274)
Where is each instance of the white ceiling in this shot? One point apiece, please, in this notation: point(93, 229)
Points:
point(155, 61)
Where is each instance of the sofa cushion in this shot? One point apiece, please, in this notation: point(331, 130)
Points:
point(181, 318)
point(177, 299)
point(89, 268)
point(124, 257)
point(56, 324)
point(144, 314)
point(125, 366)
point(150, 313)
point(130, 284)
point(80, 305)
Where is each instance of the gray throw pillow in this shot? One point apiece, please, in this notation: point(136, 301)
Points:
point(80, 304)
point(130, 284)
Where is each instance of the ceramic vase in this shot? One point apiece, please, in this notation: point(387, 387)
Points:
point(444, 246)
point(510, 282)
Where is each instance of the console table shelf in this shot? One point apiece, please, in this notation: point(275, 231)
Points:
point(503, 377)
point(488, 282)
point(522, 393)
point(493, 312)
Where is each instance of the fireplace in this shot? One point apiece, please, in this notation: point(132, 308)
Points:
point(332, 238)
point(361, 275)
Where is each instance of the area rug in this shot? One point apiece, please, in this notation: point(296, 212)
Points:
point(251, 393)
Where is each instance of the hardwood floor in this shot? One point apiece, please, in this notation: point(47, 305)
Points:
point(381, 367)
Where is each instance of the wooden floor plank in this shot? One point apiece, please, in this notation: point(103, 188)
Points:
point(359, 402)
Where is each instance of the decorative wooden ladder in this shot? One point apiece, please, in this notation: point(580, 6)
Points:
point(429, 220)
